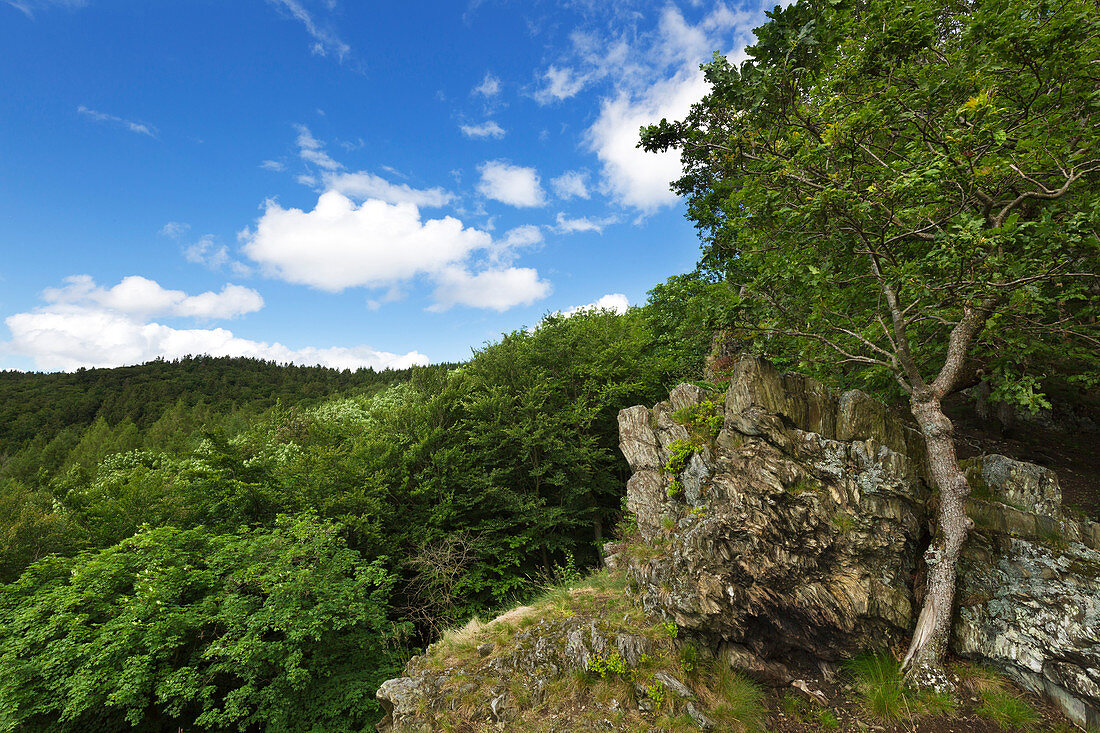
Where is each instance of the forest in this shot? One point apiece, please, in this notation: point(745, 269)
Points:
point(231, 544)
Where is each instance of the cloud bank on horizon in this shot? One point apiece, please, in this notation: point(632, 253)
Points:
point(524, 198)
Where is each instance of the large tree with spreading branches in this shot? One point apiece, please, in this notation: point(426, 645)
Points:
point(914, 188)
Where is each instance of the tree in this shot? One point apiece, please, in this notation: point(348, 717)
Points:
point(281, 629)
point(913, 188)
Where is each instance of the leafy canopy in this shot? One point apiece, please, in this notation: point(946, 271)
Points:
point(877, 173)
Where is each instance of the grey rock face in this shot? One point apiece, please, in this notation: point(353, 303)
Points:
point(785, 540)
point(1027, 486)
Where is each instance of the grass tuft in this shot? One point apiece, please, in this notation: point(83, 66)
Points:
point(1007, 710)
point(879, 681)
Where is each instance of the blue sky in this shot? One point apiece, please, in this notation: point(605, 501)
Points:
point(329, 181)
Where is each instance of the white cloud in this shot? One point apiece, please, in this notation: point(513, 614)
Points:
point(325, 41)
point(205, 251)
point(489, 86)
point(496, 289)
point(651, 73)
point(363, 185)
point(136, 127)
point(634, 177)
point(612, 301)
point(174, 229)
point(510, 184)
point(560, 83)
point(67, 337)
point(485, 129)
point(311, 150)
point(571, 184)
point(375, 244)
point(565, 225)
point(140, 296)
point(273, 165)
point(340, 245)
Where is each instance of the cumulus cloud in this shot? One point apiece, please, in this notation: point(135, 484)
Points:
point(647, 73)
point(612, 302)
point(85, 325)
point(630, 175)
point(484, 130)
point(139, 128)
point(571, 184)
point(375, 244)
point(140, 296)
point(67, 337)
point(339, 244)
point(489, 86)
point(560, 83)
point(510, 184)
point(498, 289)
point(566, 225)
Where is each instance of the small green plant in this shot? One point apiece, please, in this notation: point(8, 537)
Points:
point(656, 693)
point(671, 629)
point(568, 573)
point(608, 666)
point(878, 680)
point(702, 420)
point(699, 511)
point(679, 453)
point(689, 659)
point(842, 522)
point(803, 486)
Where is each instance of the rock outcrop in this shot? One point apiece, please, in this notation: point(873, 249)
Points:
point(793, 536)
point(1029, 587)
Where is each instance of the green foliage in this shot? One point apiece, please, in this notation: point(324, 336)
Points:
point(607, 666)
point(655, 691)
point(671, 629)
point(689, 659)
point(881, 687)
point(885, 695)
point(702, 420)
point(283, 628)
point(876, 173)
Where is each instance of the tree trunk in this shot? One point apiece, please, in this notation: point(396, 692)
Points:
point(924, 661)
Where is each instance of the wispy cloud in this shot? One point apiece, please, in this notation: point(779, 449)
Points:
point(325, 41)
point(28, 7)
point(140, 128)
